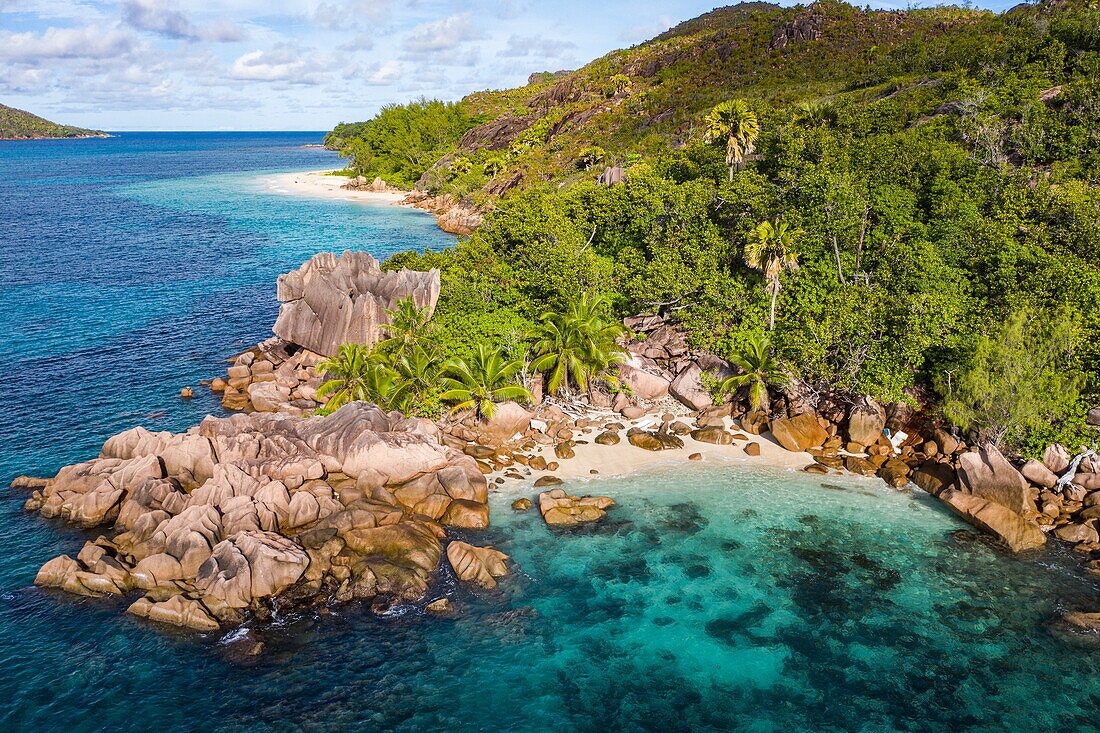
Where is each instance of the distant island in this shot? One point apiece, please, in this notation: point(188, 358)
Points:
point(16, 124)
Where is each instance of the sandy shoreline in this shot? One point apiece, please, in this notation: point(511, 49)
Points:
point(624, 459)
point(320, 185)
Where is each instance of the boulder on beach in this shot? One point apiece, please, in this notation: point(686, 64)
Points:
point(798, 433)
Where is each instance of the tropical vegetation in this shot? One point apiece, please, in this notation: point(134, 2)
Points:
point(933, 173)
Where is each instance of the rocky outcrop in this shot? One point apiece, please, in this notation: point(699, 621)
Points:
point(1016, 532)
point(453, 215)
point(239, 512)
point(806, 27)
point(333, 300)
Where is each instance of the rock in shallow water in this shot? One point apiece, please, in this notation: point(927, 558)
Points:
point(560, 509)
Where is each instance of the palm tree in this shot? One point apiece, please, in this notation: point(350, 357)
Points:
point(577, 346)
point(359, 375)
point(815, 114)
point(738, 125)
point(418, 374)
point(409, 326)
point(759, 371)
point(770, 249)
point(484, 380)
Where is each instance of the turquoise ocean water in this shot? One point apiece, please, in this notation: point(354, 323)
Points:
point(718, 597)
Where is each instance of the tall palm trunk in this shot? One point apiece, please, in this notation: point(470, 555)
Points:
point(771, 315)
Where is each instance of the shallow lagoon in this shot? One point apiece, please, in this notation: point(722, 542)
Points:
point(717, 597)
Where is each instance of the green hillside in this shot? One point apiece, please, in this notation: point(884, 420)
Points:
point(19, 125)
point(932, 173)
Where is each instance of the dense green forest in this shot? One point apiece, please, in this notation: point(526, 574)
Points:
point(17, 124)
point(918, 200)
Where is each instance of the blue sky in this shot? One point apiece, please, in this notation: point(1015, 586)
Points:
point(295, 64)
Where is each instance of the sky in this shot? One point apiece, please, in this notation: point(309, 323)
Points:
point(297, 64)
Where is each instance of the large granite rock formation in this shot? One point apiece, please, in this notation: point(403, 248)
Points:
point(333, 300)
point(251, 510)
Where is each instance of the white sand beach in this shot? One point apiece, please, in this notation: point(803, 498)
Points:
point(319, 184)
point(623, 458)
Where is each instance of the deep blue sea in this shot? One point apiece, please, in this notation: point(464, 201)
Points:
point(717, 597)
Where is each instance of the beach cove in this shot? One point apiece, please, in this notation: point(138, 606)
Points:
point(713, 588)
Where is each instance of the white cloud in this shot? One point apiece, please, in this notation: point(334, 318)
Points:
point(441, 35)
point(163, 18)
point(535, 46)
point(386, 73)
point(89, 42)
point(350, 13)
point(282, 62)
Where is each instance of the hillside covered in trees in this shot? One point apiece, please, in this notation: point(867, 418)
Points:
point(15, 124)
point(905, 202)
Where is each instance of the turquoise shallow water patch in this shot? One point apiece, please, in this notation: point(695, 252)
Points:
point(715, 597)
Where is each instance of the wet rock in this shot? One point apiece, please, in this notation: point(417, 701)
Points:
point(934, 477)
point(816, 468)
point(522, 505)
point(478, 565)
point(1083, 621)
point(29, 482)
point(860, 466)
point(564, 451)
point(547, 481)
point(752, 449)
point(177, 611)
point(1077, 533)
point(561, 509)
point(320, 509)
point(695, 457)
point(895, 473)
